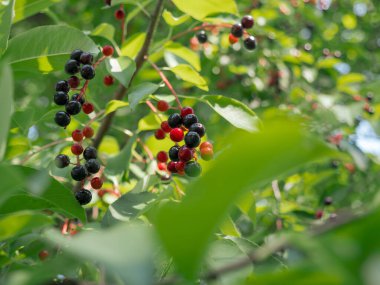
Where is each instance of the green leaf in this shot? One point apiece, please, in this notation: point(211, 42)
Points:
point(27, 8)
point(149, 122)
point(118, 164)
point(350, 78)
point(199, 9)
point(188, 74)
point(140, 92)
point(329, 62)
point(134, 44)
point(280, 148)
point(104, 30)
point(22, 202)
point(46, 48)
point(185, 53)
point(114, 105)
point(6, 106)
point(174, 21)
point(6, 11)
point(122, 69)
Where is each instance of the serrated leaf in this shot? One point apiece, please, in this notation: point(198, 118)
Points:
point(188, 74)
point(6, 106)
point(184, 53)
point(122, 69)
point(114, 105)
point(6, 11)
point(140, 92)
point(199, 9)
point(174, 21)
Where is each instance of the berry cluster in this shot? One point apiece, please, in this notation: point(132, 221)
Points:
point(182, 127)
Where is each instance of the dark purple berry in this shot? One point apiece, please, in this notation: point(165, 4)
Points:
point(173, 153)
point(63, 86)
point(87, 72)
point(75, 98)
point(237, 30)
point(247, 22)
point(72, 67)
point(90, 153)
point(73, 107)
point(61, 98)
point(83, 196)
point(86, 58)
point(198, 128)
point(175, 120)
point(62, 119)
point(92, 166)
point(76, 54)
point(189, 120)
point(79, 172)
point(250, 43)
point(62, 161)
point(202, 37)
point(192, 139)
point(328, 201)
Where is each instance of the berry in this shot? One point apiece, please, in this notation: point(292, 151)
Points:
point(206, 145)
point(319, 214)
point(190, 119)
point(79, 172)
point(186, 111)
point(250, 43)
point(77, 135)
point(159, 134)
point(90, 153)
point(108, 2)
point(43, 254)
point(192, 139)
point(74, 81)
point(108, 50)
point(88, 132)
point(171, 166)
point(63, 86)
point(87, 72)
point(166, 178)
point(198, 128)
point(162, 106)
point(96, 183)
point(73, 107)
point(202, 37)
point(334, 164)
point(173, 153)
point(165, 127)
point(88, 108)
point(180, 166)
point(175, 120)
point(161, 166)
point(193, 169)
point(232, 39)
point(62, 119)
point(62, 161)
point(86, 58)
point(176, 135)
point(61, 98)
point(328, 201)
point(207, 153)
point(247, 22)
point(162, 156)
point(72, 66)
point(237, 30)
point(77, 149)
point(108, 80)
point(75, 97)
point(369, 97)
point(76, 54)
point(92, 166)
point(119, 14)
point(185, 154)
point(83, 196)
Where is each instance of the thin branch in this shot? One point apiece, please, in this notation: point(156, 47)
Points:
point(49, 145)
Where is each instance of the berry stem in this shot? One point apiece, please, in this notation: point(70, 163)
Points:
point(154, 110)
point(49, 145)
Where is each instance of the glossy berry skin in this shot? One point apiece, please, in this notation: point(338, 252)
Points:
point(72, 67)
point(171, 166)
point(61, 98)
point(185, 154)
point(43, 254)
point(166, 178)
point(88, 108)
point(77, 135)
point(247, 22)
point(92, 166)
point(165, 127)
point(159, 134)
point(75, 97)
point(108, 80)
point(180, 166)
point(186, 111)
point(79, 172)
point(87, 72)
point(86, 58)
point(207, 153)
point(63, 86)
point(108, 50)
point(162, 156)
point(90, 153)
point(206, 145)
point(162, 106)
point(83, 196)
point(176, 135)
point(62, 161)
point(73, 81)
point(119, 14)
point(237, 30)
point(175, 120)
point(202, 37)
point(250, 43)
point(88, 132)
point(96, 183)
point(75, 55)
point(198, 128)
point(73, 107)
point(192, 139)
point(328, 201)
point(190, 119)
point(173, 153)
point(77, 149)
point(62, 119)
point(193, 169)
point(232, 39)
point(161, 166)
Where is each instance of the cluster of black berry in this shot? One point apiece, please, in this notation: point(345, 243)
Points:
point(182, 127)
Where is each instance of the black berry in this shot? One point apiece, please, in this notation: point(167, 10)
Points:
point(189, 120)
point(79, 172)
point(72, 67)
point(87, 72)
point(62, 118)
point(92, 166)
point(62, 161)
point(198, 128)
point(86, 58)
point(75, 98)
point(247, 22)
point(63, 86)
point(192, 139)
point(250, 43)
point(202, 37)
point(61, 98)
point(73, 107)
point(90, 153)
point(193, 169)
point(76, 54)
point(328, 201)
point(173, 153)
point(369, 96)
point(83, 196)
point(237, 30)
point(175, 120)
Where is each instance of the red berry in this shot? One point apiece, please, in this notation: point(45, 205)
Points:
point(76, 149)
point(87, 108)
point(171, 166)
point(162, 156)
point(186, 111)
point(165, 127)
point(161, 166)
point(162, 106)
point(101, 193)
point(206, 145)
point(43, 254)
point(73, 81)
point(88, 132)
point(108, 50)
point(319, 214)
point(180, 166)
point(96, 183)
point(159, 134)
point(108, 80)
point(207, 153)
point(232, 39)
point(185, 154)
point(77, 135)
point(119, 14)
point(176, 134)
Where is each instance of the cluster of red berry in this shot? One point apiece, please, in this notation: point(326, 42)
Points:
point(182, 127)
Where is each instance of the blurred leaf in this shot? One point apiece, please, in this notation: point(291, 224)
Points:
point(174, 21)
point(27, 8)
point(22, 202)
point(114, 105)
point(199, 9)
point(329, 62)
point(6, 106)
point(149, 122)
point(350, 78)
point(104, 30)
point(185, 53)
point(228, 228)
point(6, 13)
point(140, 92)
point(122, 69)
point(133, 45)
point(118, 164)
point(188, 74)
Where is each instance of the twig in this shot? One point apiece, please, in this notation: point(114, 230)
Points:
point(43, 148)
